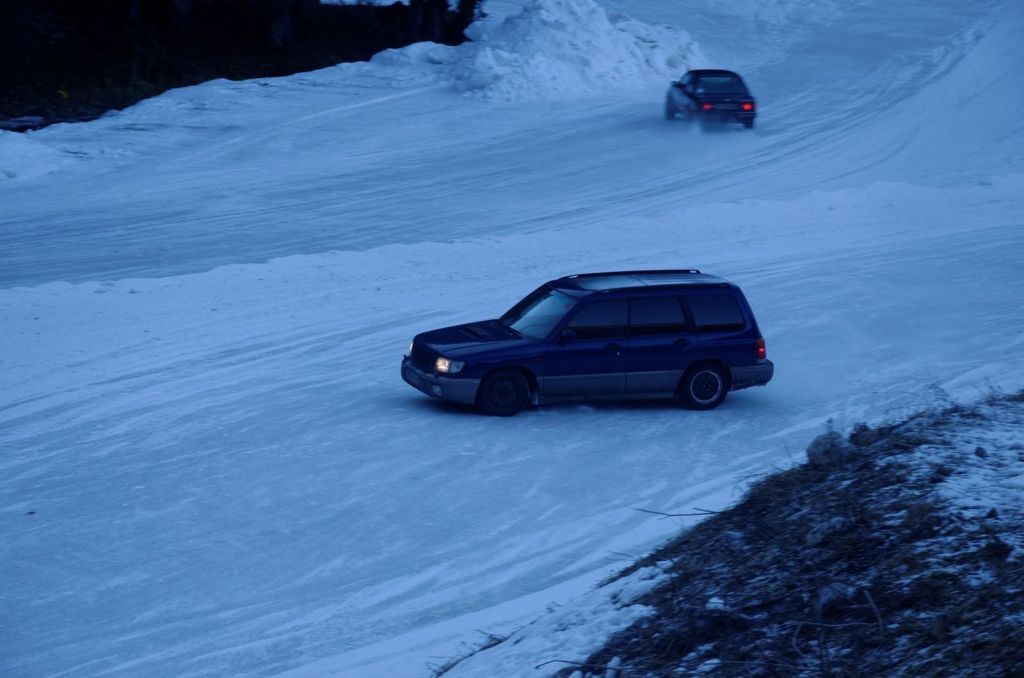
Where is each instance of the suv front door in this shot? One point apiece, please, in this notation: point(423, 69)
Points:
point(661, 345)
point(589, 359)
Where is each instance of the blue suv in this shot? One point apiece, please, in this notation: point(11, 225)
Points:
point(620, 335)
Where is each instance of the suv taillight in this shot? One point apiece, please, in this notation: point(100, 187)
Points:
point(762, 352)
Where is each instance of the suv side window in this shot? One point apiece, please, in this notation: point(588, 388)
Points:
point(649, 317)
point(716, 312)
point(601, 320)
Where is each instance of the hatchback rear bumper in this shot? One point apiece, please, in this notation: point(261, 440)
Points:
point(752, 375)
point(727, 116)
point(449, 388)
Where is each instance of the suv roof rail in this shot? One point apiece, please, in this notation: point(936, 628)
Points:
point(660, 271)
point(713, 71)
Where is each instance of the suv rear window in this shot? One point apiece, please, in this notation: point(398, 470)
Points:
point(716, 312)
point(603, 320)
point(656, 316)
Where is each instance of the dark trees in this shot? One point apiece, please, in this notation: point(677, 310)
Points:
point(64, 59)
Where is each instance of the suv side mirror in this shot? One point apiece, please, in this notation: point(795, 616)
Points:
point(567, 336)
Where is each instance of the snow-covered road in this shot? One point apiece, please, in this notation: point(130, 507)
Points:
point(208, 462)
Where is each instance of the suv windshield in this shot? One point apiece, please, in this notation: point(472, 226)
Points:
point(539, 315)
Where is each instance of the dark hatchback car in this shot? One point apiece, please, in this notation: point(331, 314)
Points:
point(711, 96)
point(622, 335)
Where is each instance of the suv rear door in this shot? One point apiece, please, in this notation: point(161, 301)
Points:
point(661, 343)
point(722, 326)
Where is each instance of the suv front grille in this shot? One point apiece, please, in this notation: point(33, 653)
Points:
point(423, 357)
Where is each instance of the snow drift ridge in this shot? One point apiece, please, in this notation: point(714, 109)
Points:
point(556, 49)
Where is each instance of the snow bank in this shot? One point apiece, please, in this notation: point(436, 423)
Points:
point(22, 157)
point(557, 49)
point(549, 50)
point(543, 646)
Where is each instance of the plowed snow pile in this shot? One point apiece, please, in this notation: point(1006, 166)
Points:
point(558, 49)
point(21, 156)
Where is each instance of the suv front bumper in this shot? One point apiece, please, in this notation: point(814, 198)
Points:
point(449, 388)
point(752, 375)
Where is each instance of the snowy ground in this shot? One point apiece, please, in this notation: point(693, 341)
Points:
point(904, 540)
point(208, 462)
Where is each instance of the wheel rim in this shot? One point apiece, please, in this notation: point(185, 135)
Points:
point(705, 387)
point(503, 393)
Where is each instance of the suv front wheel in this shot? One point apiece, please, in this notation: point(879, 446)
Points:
point(703, 387)
point(503, 393)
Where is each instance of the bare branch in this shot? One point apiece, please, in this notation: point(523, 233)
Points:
point(874, 608)
point(557, 661)
point(703, 512)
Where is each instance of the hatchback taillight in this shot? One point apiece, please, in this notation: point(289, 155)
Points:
point(762, 352)
point(707, 107)
point(748, 106)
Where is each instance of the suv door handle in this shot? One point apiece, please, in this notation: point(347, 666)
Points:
point(614, 347)
point(682, 342)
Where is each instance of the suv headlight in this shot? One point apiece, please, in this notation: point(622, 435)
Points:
point(409, 351)
point(448, 366)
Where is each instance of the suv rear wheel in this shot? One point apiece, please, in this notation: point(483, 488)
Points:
point(503, 393)
point(703, 387)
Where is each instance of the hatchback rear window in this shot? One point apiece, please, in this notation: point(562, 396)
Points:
point(716, 312)
point(720, 84)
